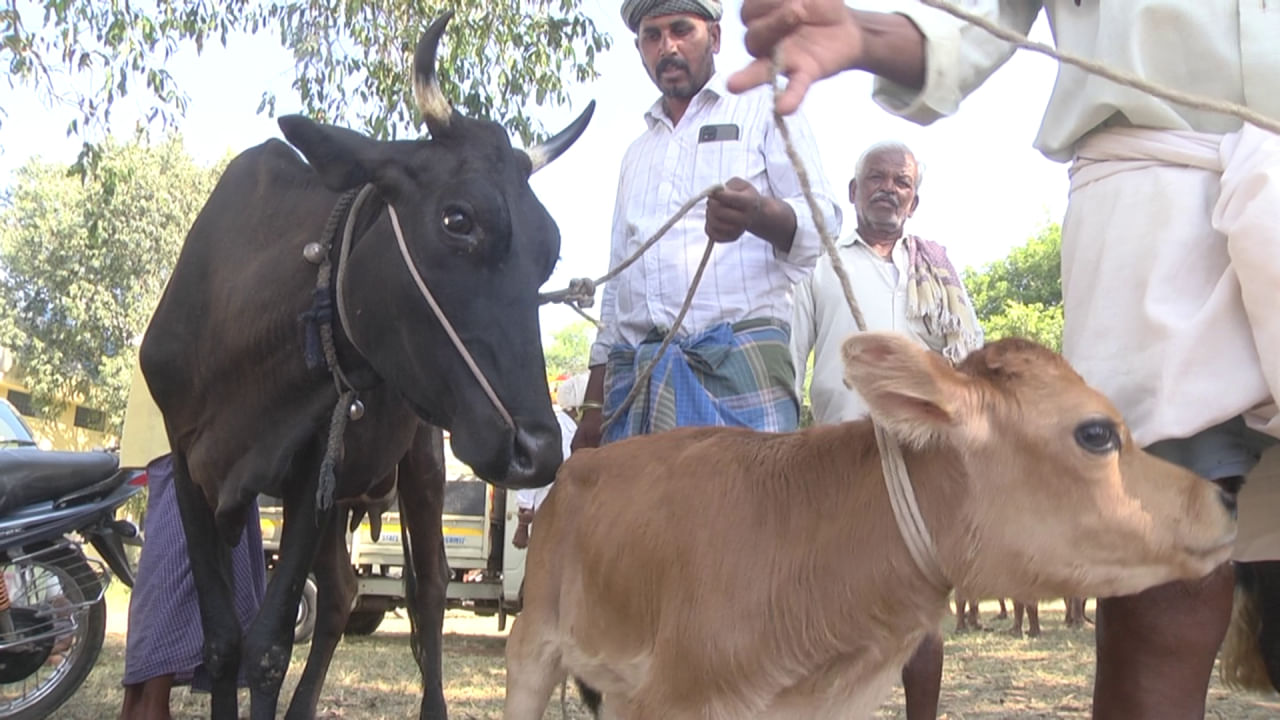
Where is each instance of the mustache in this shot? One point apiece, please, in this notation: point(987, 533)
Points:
point(888, 197)
point(667, 63)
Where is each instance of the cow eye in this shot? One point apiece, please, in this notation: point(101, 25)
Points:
point(1099, 437)
point(456, 220)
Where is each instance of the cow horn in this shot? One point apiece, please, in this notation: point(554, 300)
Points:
point(542, 154)
point(436, 110)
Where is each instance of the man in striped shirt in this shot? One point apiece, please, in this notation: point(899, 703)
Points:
point(730, 363)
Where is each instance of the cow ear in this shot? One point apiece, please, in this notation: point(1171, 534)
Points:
point(912, 392)
point(342, 157)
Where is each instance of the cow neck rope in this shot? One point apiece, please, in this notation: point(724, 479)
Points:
point(347, 402)
point(902, 497)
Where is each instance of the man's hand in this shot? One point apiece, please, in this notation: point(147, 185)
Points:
point(818, 38)
point(732, 210)
point(589, 432)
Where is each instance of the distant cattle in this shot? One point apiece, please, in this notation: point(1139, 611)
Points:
point(400, 276)
point(725, 573)
point(968, 616)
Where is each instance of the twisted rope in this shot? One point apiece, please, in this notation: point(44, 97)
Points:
point(581, 291)
point(902, 497)
point(642, 378)
point(338, 421)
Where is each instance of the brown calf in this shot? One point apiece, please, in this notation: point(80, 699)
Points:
point(722, 573)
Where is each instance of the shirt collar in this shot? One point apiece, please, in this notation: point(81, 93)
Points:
point(854, 238)
point(712, 91)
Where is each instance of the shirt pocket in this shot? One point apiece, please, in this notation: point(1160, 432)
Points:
point(718, 161)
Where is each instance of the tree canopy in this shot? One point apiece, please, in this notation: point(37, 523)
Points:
point(84, 261)
point(354, 58)
point(1021, 294)
point(569, 349)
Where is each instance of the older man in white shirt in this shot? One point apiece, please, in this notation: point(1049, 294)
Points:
point(878, 257)
point(1170, 258)
point(731, 363)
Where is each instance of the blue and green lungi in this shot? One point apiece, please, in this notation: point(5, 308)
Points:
point(738, 375)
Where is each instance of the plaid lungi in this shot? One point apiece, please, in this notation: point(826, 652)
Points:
point(740, 375)
point(165, 635)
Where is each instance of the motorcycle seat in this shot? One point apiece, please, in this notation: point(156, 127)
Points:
point(30, 475)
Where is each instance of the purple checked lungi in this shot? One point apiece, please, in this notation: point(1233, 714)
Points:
point(165, 636)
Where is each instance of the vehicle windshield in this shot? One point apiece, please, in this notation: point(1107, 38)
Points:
point(13, 431)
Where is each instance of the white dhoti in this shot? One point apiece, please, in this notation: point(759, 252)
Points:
point(1171, 287)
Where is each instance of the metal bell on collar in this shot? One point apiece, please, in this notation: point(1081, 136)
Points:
point(314, 252)
point(356, 410)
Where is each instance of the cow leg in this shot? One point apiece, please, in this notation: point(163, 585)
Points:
point(922, 679)
point(426, 572)
point(1146, 671)
point(210, 557)
point(269, 641)
point(1004, 611)
point(1075, 612)
point(1018, 608)
point(960, 617)
point(1033, 619)
point(337, 582)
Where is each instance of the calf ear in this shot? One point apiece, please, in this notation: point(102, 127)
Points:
point(909, 390)
point(342, 157)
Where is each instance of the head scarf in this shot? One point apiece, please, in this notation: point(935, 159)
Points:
point(633, 11)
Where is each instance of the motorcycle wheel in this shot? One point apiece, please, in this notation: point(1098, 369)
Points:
point(43, 581)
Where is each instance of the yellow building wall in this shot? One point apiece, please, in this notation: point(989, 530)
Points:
point(58, 433)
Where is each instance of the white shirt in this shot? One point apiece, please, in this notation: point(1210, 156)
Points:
point(1224, 49)
point(665, 167)
point(823, 322)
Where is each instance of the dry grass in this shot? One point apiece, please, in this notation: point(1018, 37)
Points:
point(989, 675)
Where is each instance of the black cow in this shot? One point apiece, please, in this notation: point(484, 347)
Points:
point(230, 356)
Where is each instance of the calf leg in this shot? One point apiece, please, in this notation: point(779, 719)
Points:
point(1033, 619)
point(337, 583)
point(426, 572)
point(922, 679)
point(1004, 611)
point(1156, 649)
point(210, 556)
point(270, 639)
point(533, 669)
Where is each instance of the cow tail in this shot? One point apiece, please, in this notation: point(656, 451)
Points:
point(590, 696)
point(1252, 645)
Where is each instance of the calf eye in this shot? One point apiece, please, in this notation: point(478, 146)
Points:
point(1098, 437)
point(456, 221)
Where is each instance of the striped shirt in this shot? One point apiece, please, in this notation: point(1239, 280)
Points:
point(667, 165)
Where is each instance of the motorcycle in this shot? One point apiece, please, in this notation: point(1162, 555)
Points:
point(53, 615)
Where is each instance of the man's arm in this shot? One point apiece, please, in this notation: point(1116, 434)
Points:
point(739, 208)
point(784, 185)
point(590, 424)
point(925, 59)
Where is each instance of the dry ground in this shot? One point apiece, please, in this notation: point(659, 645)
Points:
point(988, 675)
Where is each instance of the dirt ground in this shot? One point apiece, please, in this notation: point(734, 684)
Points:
point(989, 675)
